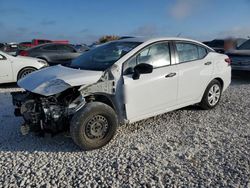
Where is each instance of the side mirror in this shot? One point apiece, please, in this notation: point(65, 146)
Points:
point(142, 68)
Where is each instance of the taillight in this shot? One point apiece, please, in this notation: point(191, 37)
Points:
point(228, 61)
point(23, 53)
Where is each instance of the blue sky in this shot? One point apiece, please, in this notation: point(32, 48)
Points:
point(85, 21)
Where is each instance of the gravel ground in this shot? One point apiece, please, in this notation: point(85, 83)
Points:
point(187, 147)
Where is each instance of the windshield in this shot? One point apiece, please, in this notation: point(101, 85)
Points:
point(245, 46)
point(104, 56)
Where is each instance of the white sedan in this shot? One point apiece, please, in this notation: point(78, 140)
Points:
point(122, 81)
point(14, 68)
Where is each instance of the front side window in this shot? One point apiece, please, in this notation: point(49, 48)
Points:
point(157, 55)
point(190, 52)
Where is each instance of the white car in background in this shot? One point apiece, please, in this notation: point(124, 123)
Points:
point(123, 81)
point(14, 68)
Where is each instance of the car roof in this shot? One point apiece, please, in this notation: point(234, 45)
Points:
point(156, 39)
point(46, 44)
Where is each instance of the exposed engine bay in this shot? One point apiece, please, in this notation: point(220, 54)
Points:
point(50, 114)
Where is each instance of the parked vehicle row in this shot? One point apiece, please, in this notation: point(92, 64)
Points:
point(36, 42)
point(52, 53)
point(123, 81)
point(241, 57)
point(237, 49)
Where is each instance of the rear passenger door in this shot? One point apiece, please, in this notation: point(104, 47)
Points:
point(195, 70)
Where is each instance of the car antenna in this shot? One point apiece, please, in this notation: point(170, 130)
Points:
point(179, 34)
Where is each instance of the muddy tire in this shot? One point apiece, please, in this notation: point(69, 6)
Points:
point(212, 95)
point(93, 126)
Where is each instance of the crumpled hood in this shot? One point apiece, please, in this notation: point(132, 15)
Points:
point(52, 80)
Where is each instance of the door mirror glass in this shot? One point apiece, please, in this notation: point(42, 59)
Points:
point(142, 68)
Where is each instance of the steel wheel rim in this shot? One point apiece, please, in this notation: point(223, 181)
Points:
point(214, 95)
point(26, 72)
point(97, 127)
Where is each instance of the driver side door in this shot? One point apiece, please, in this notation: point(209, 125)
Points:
point(5, 69)
point(152, 93)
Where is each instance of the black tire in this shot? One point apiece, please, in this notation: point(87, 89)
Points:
point(93, 126)
point(24, 72)
point(205, 103)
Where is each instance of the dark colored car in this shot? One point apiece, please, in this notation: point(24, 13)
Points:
point(52, 53)
point(81, 47)
point(217, 45)
point(240, 57)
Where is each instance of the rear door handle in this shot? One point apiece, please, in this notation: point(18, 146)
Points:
point(172, 74)
point(208, 63)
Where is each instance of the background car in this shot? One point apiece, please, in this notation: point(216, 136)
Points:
point(216, 44)
point(14, 68)
point(81, 47)
point(241, 57)
point(36, 42)
point(11, 48)
point(52, 53)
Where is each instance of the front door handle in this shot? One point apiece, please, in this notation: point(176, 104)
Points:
point(208, 63)
point(172, 74)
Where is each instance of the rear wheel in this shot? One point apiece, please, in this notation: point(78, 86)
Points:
point(24, 72)
point(93, 126)
point(212, 95)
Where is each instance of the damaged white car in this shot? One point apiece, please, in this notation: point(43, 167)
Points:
point(121, 82)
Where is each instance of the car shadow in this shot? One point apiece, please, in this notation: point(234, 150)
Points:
point(9, 85)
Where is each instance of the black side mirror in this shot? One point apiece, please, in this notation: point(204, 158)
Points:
point(142, 68)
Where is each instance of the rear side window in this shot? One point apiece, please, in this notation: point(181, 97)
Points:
point(65, 48)
point(51, 48)
point(190, 52)
point(202, 52)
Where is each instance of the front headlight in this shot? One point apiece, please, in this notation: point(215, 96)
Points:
point(43, 62)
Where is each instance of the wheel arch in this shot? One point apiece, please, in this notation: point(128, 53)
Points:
point(28, 67)
point(101, 98)
point(220, 80)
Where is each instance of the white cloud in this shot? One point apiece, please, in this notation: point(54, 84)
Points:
point(184, 8)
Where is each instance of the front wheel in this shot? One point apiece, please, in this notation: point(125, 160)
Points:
point(25, 72)
point(93, 126)
point(212, 95)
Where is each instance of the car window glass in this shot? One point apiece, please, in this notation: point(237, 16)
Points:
point(157, 55)
point(245, 46)
point(187, 52)
point(65, 48)
point(202, 52)
point(52, 47)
